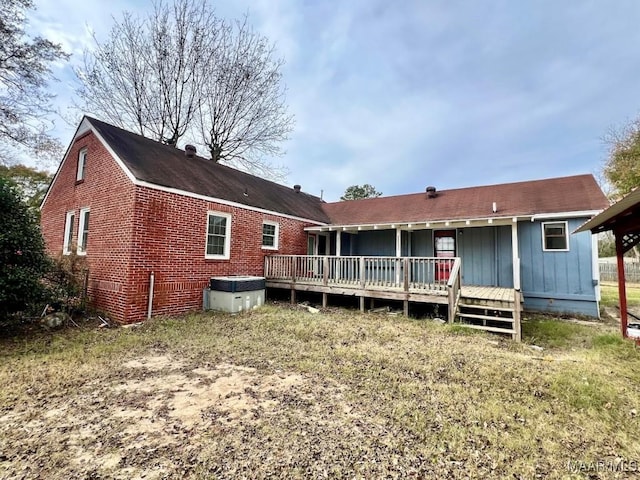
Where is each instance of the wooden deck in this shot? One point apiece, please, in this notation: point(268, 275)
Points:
point(497, 294)
point(408, 279)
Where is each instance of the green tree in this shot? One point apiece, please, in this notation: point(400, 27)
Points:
point(22, 257)
point(622, 167)
point(356, 192)
point(25, 69)
point(31, 183)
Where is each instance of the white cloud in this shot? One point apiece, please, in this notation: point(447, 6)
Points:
point(404, 94)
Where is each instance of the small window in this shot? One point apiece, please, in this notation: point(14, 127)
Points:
point(555, 236)
point(270, 235)
point(83, 231)
point(82, 165)
point(218, 235)
point(68, 233)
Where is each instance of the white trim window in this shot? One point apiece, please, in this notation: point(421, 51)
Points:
point(218, 240)
point(68, 233)
point(555, 237)
point(82, 165)
point(83, 231)
point(270, 234)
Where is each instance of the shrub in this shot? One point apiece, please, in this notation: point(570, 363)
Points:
point(65, 281)
point(22, 257)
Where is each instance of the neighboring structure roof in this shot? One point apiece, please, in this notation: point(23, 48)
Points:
point(158, 164)
point(624, 214)
point(572, 194)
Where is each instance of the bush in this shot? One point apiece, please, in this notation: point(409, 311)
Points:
point(65, 282)
point(23, 261)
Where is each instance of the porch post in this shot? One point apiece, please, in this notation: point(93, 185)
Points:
point(398, 252)
point(622, 291)
point(338, 243)
point(516, 254)
point(517, 311)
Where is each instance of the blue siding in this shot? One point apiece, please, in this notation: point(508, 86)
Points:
point(375, 243)
point(505, 257)
point(422, 243)
point(557, 281)
point(487, 257)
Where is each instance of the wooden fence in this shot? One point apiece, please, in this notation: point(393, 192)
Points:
point(609, 272)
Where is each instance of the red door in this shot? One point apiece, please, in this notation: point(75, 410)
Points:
point(444, 245)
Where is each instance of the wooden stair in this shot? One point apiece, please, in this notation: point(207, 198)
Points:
point(496, 315)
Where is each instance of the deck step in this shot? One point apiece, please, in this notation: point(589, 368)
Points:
point(485, 307)
point(488, 329)
point(486, 317)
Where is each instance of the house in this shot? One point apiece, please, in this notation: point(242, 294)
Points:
point(513, 235)
point(135, 207)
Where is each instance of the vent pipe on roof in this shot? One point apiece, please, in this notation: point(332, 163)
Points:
point(190, 151)
point(431, 192)
point(297, 188)
point(494, 207)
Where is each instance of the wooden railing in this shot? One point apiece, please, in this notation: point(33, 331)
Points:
point(453, 290)
point(414, 274)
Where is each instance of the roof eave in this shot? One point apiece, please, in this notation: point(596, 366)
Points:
point(600, 220)
point(451, 223)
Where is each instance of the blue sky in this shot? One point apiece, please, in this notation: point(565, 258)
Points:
point(412, 93)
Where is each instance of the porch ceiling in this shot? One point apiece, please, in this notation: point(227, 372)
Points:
point(410, 226)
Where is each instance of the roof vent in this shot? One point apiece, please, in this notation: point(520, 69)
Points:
point(431, 192)
point(190, 151)
point(297, 188)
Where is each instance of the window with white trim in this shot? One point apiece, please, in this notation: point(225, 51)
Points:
point(83, 231)
point(82, 164)
point(218, 235)
point(555, 236)
point(68, 233)
point(270, 235)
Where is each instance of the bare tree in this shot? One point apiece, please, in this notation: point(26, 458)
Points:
point(24, 73)
point(182, 72)
point(243, 112)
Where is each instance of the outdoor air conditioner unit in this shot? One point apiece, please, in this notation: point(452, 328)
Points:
point(234, 294)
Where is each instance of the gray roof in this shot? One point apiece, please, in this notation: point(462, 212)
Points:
point(153, 162)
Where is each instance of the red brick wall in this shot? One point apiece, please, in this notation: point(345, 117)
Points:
point(110, 196)
point(169, 239)
point(136, 230)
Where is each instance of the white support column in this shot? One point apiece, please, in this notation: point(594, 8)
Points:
point(517, 328)
point(516, 254)
point(338, 243)
point(398, 253)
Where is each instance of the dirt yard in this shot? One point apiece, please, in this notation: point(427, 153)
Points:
point(283, 393)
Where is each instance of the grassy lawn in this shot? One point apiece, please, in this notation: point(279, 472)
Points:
point(610, 294)
point(283, 393)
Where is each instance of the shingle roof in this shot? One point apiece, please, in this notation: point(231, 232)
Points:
point(162, 165)
point(624, 213)
point(555, 195)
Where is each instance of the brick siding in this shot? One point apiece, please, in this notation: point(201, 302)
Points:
point(136, 230)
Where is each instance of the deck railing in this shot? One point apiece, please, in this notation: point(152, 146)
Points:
point(415, 274)
point(454, 290)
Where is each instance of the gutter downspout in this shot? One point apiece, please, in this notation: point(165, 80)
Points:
point(152, 278)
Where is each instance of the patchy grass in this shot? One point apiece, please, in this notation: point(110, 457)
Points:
point(549, 332)
point(280, 392)
point(610, 296)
